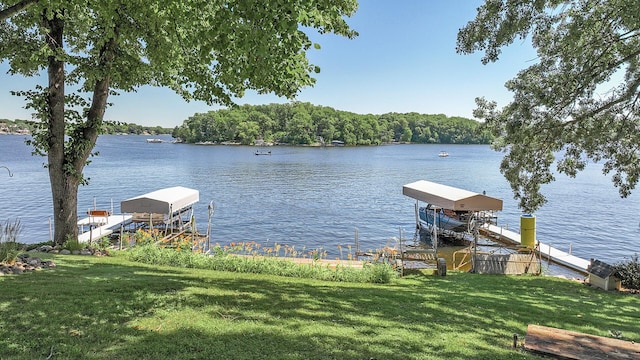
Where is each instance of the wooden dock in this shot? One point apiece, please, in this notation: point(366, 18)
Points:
point(545, 251)
point(99, 225)
point(566, 344)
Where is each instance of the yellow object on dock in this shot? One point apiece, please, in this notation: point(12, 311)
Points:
point(528, 230)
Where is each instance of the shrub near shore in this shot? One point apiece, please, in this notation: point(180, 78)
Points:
point(378, 272)
point(629, 273)
point(251, 257)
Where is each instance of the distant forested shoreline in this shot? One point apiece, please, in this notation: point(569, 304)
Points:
point(110, 127)
point(300, 123)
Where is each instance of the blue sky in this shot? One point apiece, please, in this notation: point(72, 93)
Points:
point(403, 61)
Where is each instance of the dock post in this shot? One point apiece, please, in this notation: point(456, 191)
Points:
point(171, 218)
point(475, 243)
point(401, 253)
point(356, 241)
point(211, 209)
point(434, 239)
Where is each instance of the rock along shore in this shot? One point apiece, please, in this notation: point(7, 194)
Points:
point(25, 262)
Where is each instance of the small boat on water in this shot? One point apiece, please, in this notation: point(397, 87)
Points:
point(443, 154)
point(263, 152)
point(154, 141)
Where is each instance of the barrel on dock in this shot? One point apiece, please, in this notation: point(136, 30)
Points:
point(528, 230)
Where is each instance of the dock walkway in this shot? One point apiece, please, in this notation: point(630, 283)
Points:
point(99, 226)
point(550, 253)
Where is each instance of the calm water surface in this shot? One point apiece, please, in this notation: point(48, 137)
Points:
point(317, 197)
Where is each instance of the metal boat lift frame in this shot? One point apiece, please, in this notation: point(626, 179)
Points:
point(165, 207)
point(448, 197)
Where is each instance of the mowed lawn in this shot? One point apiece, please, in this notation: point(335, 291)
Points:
point(111, 308)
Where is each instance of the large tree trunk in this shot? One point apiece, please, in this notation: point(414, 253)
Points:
point(63, 188)
point(66, 160)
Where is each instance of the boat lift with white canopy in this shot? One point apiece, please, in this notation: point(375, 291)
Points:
point(162, 207)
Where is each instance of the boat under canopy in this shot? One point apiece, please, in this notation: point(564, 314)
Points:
point(165, 201)
point(456, 213)
point(452, 198)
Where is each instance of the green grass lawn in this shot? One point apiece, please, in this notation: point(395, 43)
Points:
point(111, 308)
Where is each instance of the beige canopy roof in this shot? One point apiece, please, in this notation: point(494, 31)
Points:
point(164, 201)
point(448, 197)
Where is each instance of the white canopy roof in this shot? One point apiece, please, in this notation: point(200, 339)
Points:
point(448, 197)
point(164, 201)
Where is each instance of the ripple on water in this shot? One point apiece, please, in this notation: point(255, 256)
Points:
point(314, 197)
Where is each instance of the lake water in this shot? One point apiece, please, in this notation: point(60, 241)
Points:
point(317, 197)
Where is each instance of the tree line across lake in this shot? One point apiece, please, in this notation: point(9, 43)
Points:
point(300, 123)
point(109, 127)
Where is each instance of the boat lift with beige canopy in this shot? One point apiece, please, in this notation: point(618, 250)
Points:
point(441, 196)
point(447, 197)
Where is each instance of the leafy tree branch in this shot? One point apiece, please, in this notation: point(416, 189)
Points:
point(15, 8)
point(206, 50)
point(567, 109)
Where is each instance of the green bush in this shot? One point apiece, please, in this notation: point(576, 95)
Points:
point(629, 273)
point(370, 273)
point(9, 246)
point(381, 273)
point(103, 243)
point(73, 244)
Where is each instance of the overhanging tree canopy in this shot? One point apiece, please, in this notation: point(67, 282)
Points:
point(580, 101)
point(210, 50)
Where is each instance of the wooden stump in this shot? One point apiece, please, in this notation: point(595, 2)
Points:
point(566, 344)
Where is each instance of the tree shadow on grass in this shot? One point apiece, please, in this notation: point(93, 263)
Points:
point(104, 310)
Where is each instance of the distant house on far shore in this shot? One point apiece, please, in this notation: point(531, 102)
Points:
point(12, 129)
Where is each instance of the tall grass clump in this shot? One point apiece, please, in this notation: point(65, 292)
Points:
point(9, 246)
point(222, 261)
point(72, 244)
point(629, 273)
